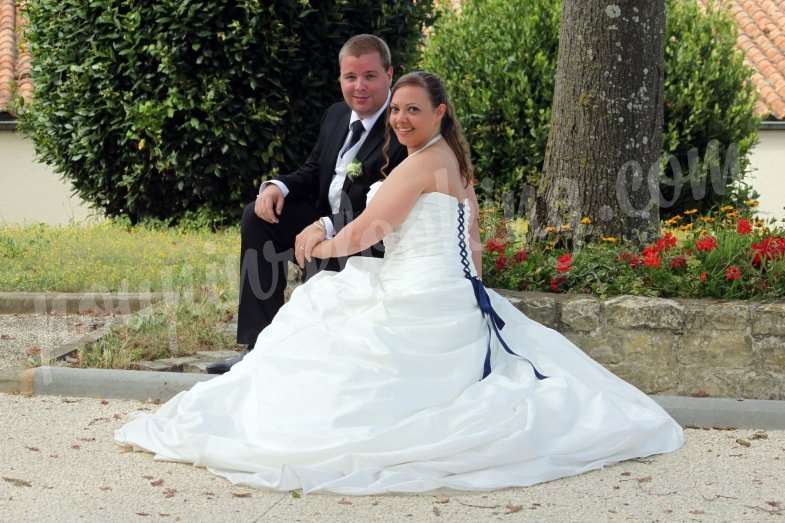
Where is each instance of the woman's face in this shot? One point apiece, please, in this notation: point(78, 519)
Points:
point(412, 117)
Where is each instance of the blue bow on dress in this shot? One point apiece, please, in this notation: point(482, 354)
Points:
point(495, 321)
point(484, 301)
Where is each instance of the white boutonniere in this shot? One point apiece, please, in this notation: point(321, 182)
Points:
point(354, 169)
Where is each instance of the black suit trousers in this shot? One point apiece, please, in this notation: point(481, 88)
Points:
point(266, 251)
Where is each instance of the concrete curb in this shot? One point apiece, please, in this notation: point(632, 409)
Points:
point(76, 302)
point(98, 383)
point(161, 386)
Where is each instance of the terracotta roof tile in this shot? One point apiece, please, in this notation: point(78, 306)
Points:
point(761, 25)
point(14, 59)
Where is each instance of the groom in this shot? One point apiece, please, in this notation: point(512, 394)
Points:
point(296, 211)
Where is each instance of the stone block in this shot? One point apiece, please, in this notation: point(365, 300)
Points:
point(216, 355)
point(177, 364)
point(769, 352)
point(764, 385)
point(769, 319)
point(716, 350)
point(598, 346)
point(717, 383)
point(636, 312)
point(199, 367)
point(580, 314)
point(724, 317)
point(157, 366)
point(538, 306)
point(643, 357)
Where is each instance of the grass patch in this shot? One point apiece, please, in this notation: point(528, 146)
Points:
point(116, 257)
point(197, 266)
point(165, 330)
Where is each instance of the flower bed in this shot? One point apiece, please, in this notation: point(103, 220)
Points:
point(723, 254)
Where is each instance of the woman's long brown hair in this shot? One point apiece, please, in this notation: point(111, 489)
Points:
point(450, 129)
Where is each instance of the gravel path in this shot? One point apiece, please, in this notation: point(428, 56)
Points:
point(58, 463)
point(24, 335)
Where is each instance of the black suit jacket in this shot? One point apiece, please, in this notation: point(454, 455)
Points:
point(311, 182)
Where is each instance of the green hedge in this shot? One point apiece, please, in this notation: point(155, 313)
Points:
point(498, 58)
point(171, 109)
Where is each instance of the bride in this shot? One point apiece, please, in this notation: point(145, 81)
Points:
point(395, 374)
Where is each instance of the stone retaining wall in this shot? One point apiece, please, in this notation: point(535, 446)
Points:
point(669, 346)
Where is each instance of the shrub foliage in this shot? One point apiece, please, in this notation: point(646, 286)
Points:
point(498, 58)
point(172, 108)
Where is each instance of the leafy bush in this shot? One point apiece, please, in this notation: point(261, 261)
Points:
point(498, 59)
point(709, 109)
point(170, 108)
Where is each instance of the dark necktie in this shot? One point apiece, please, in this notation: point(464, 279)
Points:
point(357, 131)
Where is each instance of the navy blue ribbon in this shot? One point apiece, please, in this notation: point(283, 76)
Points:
point(496, 323)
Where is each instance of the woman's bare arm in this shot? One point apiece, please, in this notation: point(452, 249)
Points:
point(386, 211)
point(475, 244)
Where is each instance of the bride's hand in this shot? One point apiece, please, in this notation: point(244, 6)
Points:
point(305, 242)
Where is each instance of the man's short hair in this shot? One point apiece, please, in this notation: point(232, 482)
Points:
point(365, 44)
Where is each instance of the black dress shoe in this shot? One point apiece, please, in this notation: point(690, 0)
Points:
point(222, 367)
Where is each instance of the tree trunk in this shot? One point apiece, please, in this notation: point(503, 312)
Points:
point(602, 158)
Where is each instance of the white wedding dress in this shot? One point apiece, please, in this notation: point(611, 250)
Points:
point(369, 381)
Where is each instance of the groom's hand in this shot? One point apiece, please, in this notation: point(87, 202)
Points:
point(304, 243)
point(269, 203)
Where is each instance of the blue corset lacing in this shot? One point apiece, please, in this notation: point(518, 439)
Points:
point(484, 301)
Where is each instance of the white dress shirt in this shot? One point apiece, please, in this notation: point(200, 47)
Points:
point(336, 184)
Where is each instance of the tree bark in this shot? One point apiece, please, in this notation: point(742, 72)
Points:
point(603, 152)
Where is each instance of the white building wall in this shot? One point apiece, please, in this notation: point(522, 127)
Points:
point(768, 176)
point(30, 192)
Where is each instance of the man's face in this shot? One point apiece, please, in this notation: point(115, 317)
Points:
point(365, 83)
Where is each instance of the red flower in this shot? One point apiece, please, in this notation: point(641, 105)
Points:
point(521, 256)
point(666, 242)
point(706, 244)
point(732, 273)
point(650, 250)
point(768, 248)
point(495, 245)
point(743, 226)
point(557, 282)
point(678, 262)
point(501, 262)
point(652, 259)
point(564, 263)
point(633, 260)
point(704, 276)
